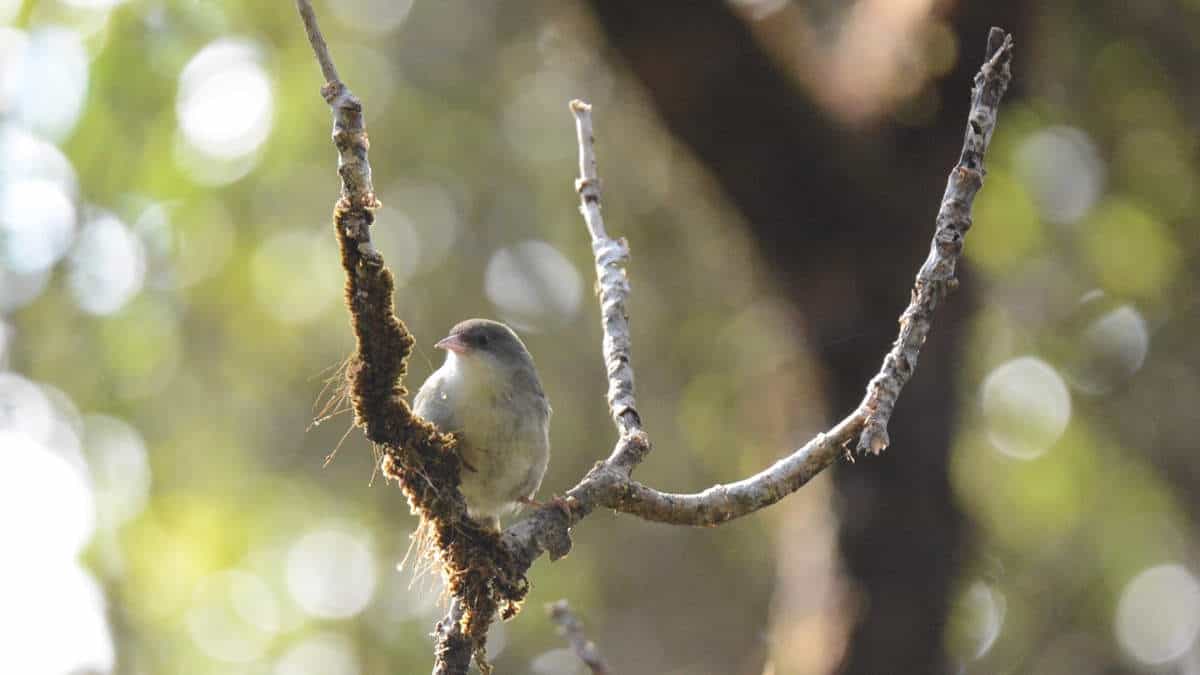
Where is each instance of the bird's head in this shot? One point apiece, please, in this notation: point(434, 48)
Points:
point(477, 343)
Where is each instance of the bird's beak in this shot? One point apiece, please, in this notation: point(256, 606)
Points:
point(452, 343)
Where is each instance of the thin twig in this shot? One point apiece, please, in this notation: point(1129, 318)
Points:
point(317, 40)
point(611, 255)
point(414, 453)
point(722, 503)
point(936, 277)
point(572, 629)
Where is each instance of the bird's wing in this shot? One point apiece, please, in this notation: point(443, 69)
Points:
point(433, 404)
point(526, 383)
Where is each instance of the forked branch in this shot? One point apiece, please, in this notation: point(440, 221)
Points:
point(421, 459)
point(865, 428)
point(487, 574)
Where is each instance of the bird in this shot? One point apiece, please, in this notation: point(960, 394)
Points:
point(487, 393)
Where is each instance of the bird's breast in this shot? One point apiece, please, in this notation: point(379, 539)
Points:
point(502, 429)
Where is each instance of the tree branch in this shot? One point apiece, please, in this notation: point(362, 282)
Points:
point(722, 503)
point(572, 629)
point(608, 484)
point(320, 49)
point(419, 457)
point(486, 574)
point(453, 651)
point(610, 255)
point(936, 277)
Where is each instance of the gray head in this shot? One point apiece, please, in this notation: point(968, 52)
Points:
point(489, 339)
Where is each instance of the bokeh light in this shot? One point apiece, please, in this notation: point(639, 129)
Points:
point(1129, 250)
point(1158, 616)
point(53, 618)
point(225, 103)
point(532, 284)
point(1109, 350)
point(399, 241)
point(372, 16)
point(120, 469)
point(108, 265)
point(47, 504)
point(93, 4)
point(234, 616)
point(1026, 407)
point(46, 516)
point(434, 213)
point(43, 79)
point(320, 654)
point(24, 408)
point(535, 109)
point(760, 9)
point(977, 620)
point(1064, 172)
point(293, 280)
point(18, 290)
point(37, 224)
point(1010, 229)
point(12, 48)
point(25, 157)
point(404, 596)
point(210, 170)
point(331, 573)
point(184, 246)
point(66, 427)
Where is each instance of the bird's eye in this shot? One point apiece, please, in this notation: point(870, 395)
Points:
point(483, 339)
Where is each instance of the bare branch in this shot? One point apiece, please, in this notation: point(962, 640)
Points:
point(572, 629)
point(610, 255)
point(317, 40)
point(722, 503)
point(487, 575)
point(608, 484)
point(453, 651)
point(936, 277)
point(421, 459)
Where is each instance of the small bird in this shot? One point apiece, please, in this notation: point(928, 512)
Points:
point(488, 394)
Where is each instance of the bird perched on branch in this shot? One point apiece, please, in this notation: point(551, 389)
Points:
point(488, 394)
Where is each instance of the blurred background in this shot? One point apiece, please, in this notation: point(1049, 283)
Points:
point(170, 307)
